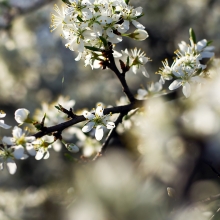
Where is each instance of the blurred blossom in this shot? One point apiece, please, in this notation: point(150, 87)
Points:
point(202, 115)
point(153, 89)
point(201, 120)
point(191, 213)
point(113, 189)
point(53, 116)
point(90, 147)
point(163, 151)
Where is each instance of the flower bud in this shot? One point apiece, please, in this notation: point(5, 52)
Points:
point(21, 115)
point(72, 148)
point(139, 35)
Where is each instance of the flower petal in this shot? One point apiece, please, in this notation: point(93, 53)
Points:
point(175, 84)
point(1, 166)
point(30, 149)
point(17, 132)
point(2, 114)
point(137, 24)
point(18, 151)
point(8, 140)
point(88, 115)
point(186, 90)
point(30, 139)
point(88, 127)
point(3, 125)
point(39, 154)
point(110, 125)
point(99, 111)
point(99, 132)
point(47, 155)
point(11, 165)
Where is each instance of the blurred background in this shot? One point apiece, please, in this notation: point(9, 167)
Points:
point(36, 68)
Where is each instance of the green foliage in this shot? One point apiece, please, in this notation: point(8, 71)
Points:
point(93, 48)
point(192, 35)
point(65, 1)
point(127, 1)
point(104, 41)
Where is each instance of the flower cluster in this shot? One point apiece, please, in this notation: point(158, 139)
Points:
point(88, 26)
point(19, 143)
point(187, 67)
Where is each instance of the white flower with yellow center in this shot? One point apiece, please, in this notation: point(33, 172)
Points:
point(42, 146)
point(137, 60)
point(19, 139)
point(185, 70)
point(97, 120)
point(7, 156)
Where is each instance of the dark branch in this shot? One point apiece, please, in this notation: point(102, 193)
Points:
point(80, 118)
point(112, 66)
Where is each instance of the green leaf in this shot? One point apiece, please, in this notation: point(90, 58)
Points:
point(192, 35)
point(139, 16)
point(65, 1)
point(43, 119)
point(57, 107)
point(127, 1)
point(80, 19)
point(70, 158)
point(209, 43)
point(104, 41)
point(93, 48)
point(127, 62)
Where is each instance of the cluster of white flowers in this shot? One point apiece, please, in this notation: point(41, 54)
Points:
point(187, 67)
point(88, 26)
point(20, 145)
point(15, 147)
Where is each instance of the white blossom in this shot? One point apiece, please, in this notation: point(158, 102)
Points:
point(42, 146)
point(21, 115)
point(187, 68)
point(97, 120)
point(137, 60)
point(185, 71)
point(7, 156)
point(201, 48)
point(19, 138)
point(85, 22)
point(2, 122)
point(152, 89)
point(72, 148)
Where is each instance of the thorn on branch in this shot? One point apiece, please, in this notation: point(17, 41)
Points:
point(69, 113)
point(40, 126)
